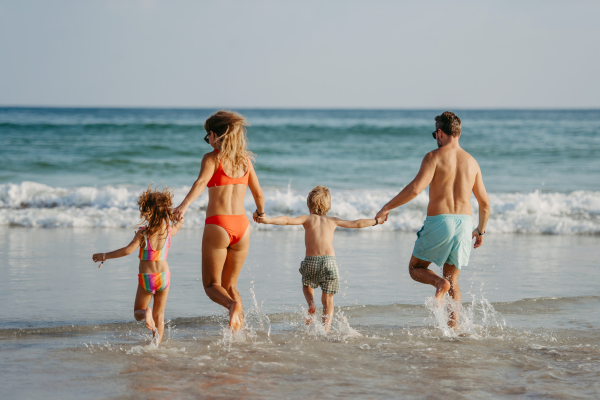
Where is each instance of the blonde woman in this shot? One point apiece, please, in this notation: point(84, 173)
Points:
point(227, 172)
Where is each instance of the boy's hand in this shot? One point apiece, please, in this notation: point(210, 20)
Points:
point(262, 219)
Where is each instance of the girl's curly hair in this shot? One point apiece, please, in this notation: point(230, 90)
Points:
point(156, 209)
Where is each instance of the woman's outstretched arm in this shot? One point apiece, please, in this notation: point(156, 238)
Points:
point(207, 170)
point(257, 193)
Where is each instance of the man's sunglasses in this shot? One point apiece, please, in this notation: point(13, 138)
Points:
point(434, 134)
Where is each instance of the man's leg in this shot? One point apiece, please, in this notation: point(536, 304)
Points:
point(451, 274)
point(420, 272)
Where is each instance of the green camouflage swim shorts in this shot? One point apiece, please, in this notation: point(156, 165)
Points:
point(321, 271)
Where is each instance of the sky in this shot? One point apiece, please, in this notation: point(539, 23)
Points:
point(300, 54)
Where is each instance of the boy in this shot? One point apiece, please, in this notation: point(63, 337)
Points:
point(319, 267)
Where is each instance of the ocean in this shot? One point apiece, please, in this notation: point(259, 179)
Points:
point(69, 180)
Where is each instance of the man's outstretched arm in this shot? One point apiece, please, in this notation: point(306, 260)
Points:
point(484, 208)
point(421, 181)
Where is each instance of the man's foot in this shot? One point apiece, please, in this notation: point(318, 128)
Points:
point(311, 314)
point(441, 289)
point(236, 316)
point(150, 319)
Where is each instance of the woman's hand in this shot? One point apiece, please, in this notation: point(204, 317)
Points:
point(255, 217)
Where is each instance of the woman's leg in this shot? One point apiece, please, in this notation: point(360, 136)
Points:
point(236, 255)
point(215, 242)
point(158, 314)
point(140, 307)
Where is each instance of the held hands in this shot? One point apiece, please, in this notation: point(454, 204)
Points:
point(382, 216)
point(180, 211)
point(478, 238)
point(256, 217)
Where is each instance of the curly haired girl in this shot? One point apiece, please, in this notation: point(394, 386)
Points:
point(154, 240)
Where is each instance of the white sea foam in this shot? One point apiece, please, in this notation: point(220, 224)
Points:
point(31, 204)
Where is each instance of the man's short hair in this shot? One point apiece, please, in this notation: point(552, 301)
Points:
point(449, 123)
point(319, 200)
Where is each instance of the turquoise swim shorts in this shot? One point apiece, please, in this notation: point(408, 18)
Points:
point(445, 238)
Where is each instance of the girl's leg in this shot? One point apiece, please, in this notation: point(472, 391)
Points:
point(140, 307)
point(236, 255)
point(309, 295)
point(327, 300)
point(158, 314)
point(215, 242)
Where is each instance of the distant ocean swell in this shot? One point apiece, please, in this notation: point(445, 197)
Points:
point(31, 204)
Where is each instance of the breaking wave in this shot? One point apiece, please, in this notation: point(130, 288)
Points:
point(31, 204)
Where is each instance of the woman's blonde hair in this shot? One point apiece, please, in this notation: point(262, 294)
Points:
point(156, 209)
point(319, 200)
point(230, 128)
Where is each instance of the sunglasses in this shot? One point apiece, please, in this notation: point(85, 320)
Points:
point(206, 138)
point(434, 134)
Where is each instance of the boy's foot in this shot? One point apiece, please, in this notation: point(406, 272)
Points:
point(441, 289)
point(311, 314)
point(149, 319)
point(236, 317)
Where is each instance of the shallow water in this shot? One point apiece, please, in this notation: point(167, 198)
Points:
point(530, 326)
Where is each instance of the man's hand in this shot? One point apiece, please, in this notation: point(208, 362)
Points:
point(382, 215)
point(478, 238)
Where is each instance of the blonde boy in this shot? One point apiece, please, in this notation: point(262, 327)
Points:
point(319, 267)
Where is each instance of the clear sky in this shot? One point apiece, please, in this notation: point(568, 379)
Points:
point(305, 54)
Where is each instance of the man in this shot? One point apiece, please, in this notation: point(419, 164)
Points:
point(445, 239)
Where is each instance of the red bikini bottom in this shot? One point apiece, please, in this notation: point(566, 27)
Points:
point(235, 225)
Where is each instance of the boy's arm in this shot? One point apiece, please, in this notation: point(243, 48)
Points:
point(283, 220)
point(125, 251)
point(359, 223)
point(177, 226)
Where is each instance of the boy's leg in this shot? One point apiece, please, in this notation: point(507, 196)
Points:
point(451, 274)
point(327, 300)
point(309, 295)
point(141, 309)
point(160, 301)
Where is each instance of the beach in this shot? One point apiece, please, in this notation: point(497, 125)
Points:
point(530, 319)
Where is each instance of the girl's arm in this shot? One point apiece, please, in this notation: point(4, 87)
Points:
point(359, 223)
point(283, 220)
point(176, 227)
point(125, 251)
point(257, 193)
point(207, 170)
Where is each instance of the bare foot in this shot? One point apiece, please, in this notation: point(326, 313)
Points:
point(149, 319)
point(441, 290)
point(311, 313)
point(452, 324)
point(236, 318)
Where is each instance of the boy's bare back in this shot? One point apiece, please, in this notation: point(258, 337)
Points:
point(318, 235)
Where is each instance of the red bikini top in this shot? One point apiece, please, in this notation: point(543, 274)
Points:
point(219, 178)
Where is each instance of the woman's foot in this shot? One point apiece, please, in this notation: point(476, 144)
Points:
point(150, 319)
point(236, 316)
point(311, 314)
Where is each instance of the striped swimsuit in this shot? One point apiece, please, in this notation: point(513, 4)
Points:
point(158, 281)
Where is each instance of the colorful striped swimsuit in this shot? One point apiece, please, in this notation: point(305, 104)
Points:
point(158, 281)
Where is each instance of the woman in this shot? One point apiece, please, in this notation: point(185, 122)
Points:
point(226, 171)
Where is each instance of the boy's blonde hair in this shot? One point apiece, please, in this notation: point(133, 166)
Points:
point(319, 200)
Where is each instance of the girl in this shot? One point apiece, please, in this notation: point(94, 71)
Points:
point(154, 240)
point(227, 172)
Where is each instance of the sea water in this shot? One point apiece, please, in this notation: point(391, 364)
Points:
point(530, 318)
